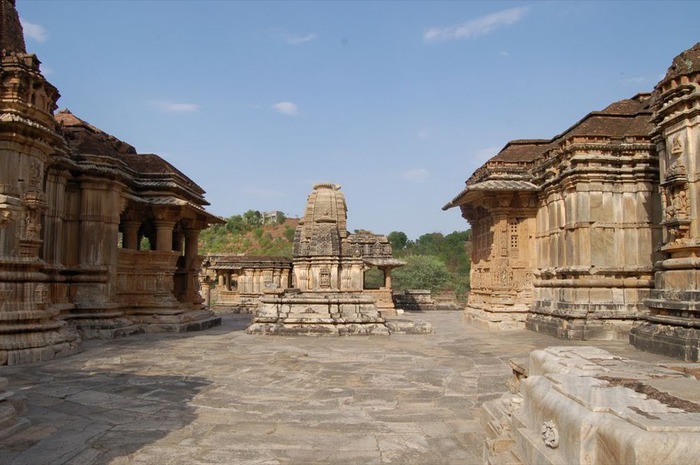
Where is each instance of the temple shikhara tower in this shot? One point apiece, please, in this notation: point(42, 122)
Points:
point(328, 295)
point(672, 325)
point(594, 234)
point(96, 240)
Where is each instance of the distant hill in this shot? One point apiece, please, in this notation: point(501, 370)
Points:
point(270, 239)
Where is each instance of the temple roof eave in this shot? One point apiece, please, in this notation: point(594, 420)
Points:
point(166, 201)
point(384, 262)
point(472, 192)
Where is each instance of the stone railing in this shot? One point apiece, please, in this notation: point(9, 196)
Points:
point(146, 278)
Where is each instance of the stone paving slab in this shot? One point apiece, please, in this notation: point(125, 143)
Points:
point(222, 396)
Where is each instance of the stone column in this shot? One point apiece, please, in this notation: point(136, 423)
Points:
point(192, 264)
point(130, 234)
point(257, 278)
point(286, 281)
point(54, 238)
point(164, 235)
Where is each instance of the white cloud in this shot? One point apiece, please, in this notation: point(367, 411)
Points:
point(34, 31)
point(476, 27)
point(175, 107)
point(293, 39)
point(286, 108)
point(416, 175)
point(504, 53)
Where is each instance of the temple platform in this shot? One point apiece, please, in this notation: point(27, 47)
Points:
point(225, 396)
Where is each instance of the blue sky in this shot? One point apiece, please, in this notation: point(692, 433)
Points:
point(397, 101)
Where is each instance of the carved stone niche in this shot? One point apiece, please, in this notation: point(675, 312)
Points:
point(10, 209)
point(676, 202)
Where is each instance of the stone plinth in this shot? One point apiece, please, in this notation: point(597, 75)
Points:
point(583, 405)
point(383, 297)
point(673, 327)
point(145, 293)
point(416, 300)
point(323, 314)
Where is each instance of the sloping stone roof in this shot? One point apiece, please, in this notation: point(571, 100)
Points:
point(503, 185)
point(148, 170)
point(85, 138)
point(509, 170)
point(629, 117)
point(521, 150)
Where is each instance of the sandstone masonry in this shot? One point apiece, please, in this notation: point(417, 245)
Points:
point(592, 234)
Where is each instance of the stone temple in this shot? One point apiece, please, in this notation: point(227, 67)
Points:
point(328, 295)
point(595, 233)
point(96, 240)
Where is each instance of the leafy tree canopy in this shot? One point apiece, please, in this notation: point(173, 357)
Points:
point(450, 249)
point(398, 240)
point(422, 272)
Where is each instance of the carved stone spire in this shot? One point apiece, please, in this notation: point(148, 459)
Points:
point(11, 34)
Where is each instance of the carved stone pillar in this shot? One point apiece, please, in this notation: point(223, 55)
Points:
point(54, 239)
point(164, 235)
point(130, 234)
point(192, 262)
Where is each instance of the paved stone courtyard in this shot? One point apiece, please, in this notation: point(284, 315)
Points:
point(222, 396)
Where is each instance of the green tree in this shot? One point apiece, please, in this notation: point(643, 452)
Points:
point(422, 272)
point(253, 218)
point(398, 240)
point(427, 244)
point(235, 224)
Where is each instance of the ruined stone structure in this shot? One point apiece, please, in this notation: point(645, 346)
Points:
point(584, 405)
point(589, 233)
point(75, 204)
point(238, 281)
point(328, 277)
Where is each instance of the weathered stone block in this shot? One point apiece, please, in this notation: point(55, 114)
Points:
point(672, 341)
point(584, 405)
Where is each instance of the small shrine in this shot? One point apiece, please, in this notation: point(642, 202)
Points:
point(328, 295)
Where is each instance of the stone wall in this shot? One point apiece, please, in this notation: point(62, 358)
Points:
point(597, 231)
point(502, 259)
